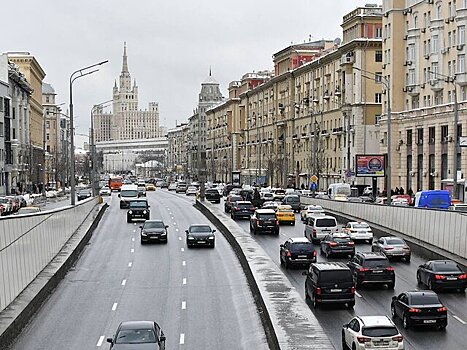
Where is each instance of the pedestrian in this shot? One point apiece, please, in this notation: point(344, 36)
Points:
point(401, 190)
point(302, 186)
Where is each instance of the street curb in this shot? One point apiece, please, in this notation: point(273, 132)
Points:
point(287, 320)
point(19, 313)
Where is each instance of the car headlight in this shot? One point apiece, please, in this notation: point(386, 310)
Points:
point(144, 211)
point(211, 237)
point(189, 237)
point(130, 212)
point(163, 233)
point(143, 233)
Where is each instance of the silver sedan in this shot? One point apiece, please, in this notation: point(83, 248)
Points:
point(392, 247)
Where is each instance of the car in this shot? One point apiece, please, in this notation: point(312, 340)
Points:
point(28, 210)
point(200, 235)
point(264, 221)
point(285, 214)
point(7, 205)
point(278, 193)
point(317, 227)
point(359, 231)
point(172, 186)
point(440, 275)
point(181, 187)
point(329, 283)
point(153, 231)
point(372, 268)
point(247, 194)
point(105, 191)
point(230, 200)
point(141, 190)
point(127, 194)
point(212, 195)
point(337, 244)
point(242, 209)
point(191, 190)
point(267, 196)
point(270, 205)
point(150, 187)
point(138, 209)
point(371, 332)
point(311, 210)
point(419, 308)
point(392, 247)
point(164, 184)
point(293, 200)
point(83, 194)
point(297, 251)
point(229, 187)
point(144, 335)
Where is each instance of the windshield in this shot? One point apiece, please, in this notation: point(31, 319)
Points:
point(325, 223)
point(138, 204)
point(336, 276)
point(395, 241)
point(246, 206)
point(136, 336)
point(341, 239)
point(301, 246)
point(375, 263)
point(154, 224)
point(380, 331)
point(293, 199)
point(360, 226)
point(200, 229)
point(129, 193)
point(266, 216)
point(424, 299)
point(445, 267)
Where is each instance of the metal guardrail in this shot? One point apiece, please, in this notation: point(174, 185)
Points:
point(442, 229)
point(29, 242)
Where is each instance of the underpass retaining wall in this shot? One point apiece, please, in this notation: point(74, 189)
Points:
point(436, 229)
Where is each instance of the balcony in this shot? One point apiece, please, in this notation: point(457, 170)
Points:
point(436, 84)
point(413, 90)
point(461, 14)
point(324, 133)
point(461, 79)
point(347, 59)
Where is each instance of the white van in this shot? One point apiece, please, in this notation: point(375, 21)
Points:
point(339, 191)
point(127, 194)
point(317, 227)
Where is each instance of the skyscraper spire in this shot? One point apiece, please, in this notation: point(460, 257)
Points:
point(210, 71)
point(125, 60)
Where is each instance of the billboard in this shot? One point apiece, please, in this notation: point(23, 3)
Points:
point(370, 165)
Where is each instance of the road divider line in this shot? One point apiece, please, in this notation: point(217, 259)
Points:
point(100, 341)
point(114, 306)
point(183, 305)
point(176, 229)
point(182, 338)
point(130, 264)
point(358, 294)
point(184, 281)
point(183, 263)
point(182, 249)
point(123, 282)
point(459, 319)
point(132, 250)
point(175, 223)
point(134, 231)
point(133, 239)
point(179, 238)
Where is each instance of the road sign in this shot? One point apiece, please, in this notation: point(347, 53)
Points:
point(314, 186)
point(314, 179)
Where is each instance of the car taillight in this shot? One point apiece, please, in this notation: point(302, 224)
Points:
point(390, 268)
point(333, 244)
point(289, 254)
point(318, 291)
point(352, 290)
point(388, 248)
point(442, 309)
point(351, 243)
point(414, 310)
point(398, 338)
point(440, 277)
point(363, 340)
point(314, 232)
point(363, 269)
point(237, 209)
point(463, 276)
point(258, 222)
point(277, 222)
point(314, 253)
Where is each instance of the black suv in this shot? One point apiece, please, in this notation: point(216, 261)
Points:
point(264, 220)
point(230, 200)
point(293, 200)
point(212, 195)
point(241, 209)
point(297, 251)
point(139, 209)
point(372, 268)
point(329, 283)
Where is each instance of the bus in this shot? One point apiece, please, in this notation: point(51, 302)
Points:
point(115, 183)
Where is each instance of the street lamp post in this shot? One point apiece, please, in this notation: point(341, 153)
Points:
point(76, 75)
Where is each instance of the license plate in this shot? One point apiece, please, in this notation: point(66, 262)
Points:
point(201, 241)
point(429, 321)
point(336, 290)
point(301, 256)
point(452, 278)
point(378, 271)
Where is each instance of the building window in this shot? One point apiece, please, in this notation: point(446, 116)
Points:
point(379, 56)
point(1, 129)
point(444, 166)
point(434, 44)
point(378, 97)
point(378, 77)
point(431, 135)
point(411, 77)
point(461, 63)
point(461, 35)
point(379, 32)
point(419, 136)
point(444, 133)
point(409, 137)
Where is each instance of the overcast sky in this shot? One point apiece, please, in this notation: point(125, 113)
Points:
point(171, 44)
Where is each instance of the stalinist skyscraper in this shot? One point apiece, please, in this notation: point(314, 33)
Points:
point(126, 122)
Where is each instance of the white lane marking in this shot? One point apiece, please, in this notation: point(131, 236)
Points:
point(123, 282)
point(183, 305)
point(459, 319)
point(172, 217)
point(182, 249)
point(132, 250)
point(130, 264)
point(176, 229)
point(100, 341)
point(184, 281)
point(183, 263)
point(358, 294)
point(134, 230)
point(175, 223)
point(134, 224)
point(182, 338)
point(114, 306)
point(133, 239)
point(179, 238)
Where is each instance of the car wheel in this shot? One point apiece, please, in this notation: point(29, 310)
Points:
point(280, 259)
point(142, 242)
point(128, 219)
point(314, 302)
point(351, 305)
point(277, 232)
point(430, 285)
point(391, 285)
point(213, 245)
point(442, 326)
point(188, 245)
point(373, 249)
point(286, 264)
point(419, 280)
point(407, 259)
point(344, 344)
point(307, 296)
point(321, 250)
point(254, 231)
point(393, 312)
point(405, 322)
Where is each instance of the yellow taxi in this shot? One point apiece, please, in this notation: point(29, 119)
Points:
point(150, 187)
point(285, 214)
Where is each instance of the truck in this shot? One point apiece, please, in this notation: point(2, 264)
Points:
point(115, 183)
point(433, 199)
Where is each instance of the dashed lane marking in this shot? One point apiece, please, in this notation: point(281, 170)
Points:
point(459, 319)
point(183, 305)
point(183, 263)
point(132, 250)
point(184, 281)
point(100, 341)
point(130, 264)
point(179, 238)
point(134, 231)
point(176, 229)
point(133, 239)
point(114, 306)
point(358, 294)
point(182, 338)
point(123, 282)
point(182, 249)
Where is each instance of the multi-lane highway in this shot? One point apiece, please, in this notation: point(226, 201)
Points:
point(200, 297)
point(372, 300)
